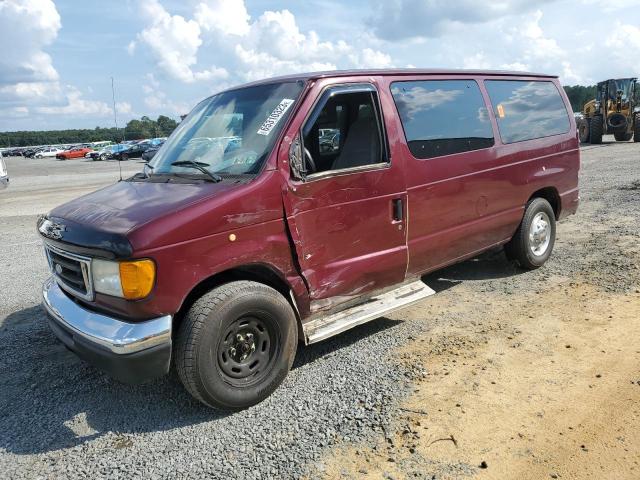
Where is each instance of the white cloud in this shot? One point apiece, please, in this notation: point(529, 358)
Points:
point(229, 17)
point(402, 19)
point(26, 27)
point(50, 98)
point(157, 100)
point(29, 83)
point(476, 61)
point(76, 105)
point(369, 58)
point(124, 108)
point(272, 44)
point(623, 43)
point(174, 43)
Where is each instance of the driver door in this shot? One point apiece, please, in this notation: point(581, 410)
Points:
point(346, 213)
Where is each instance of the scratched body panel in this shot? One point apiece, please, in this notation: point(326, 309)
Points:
point(346, 240)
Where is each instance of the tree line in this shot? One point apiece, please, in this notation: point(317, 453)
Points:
point(579, 95)
point(145, 127)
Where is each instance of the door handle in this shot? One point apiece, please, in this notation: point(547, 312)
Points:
point(398, 211)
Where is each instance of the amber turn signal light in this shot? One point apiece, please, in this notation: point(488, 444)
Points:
point(137, 278)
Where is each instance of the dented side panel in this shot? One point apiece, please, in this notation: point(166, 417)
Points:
point(242, 228)
point(346, 239)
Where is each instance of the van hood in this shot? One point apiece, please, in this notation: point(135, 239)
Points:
point(123, 206)
point(104, 220)
point(133, 218)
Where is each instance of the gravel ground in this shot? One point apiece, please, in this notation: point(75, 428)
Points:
point(61, 418)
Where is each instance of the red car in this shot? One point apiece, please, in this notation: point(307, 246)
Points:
point(243, 236)
point(78, 152)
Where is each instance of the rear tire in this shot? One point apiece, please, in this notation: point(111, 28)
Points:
point(533, 242)
point(636, 128)
point(622, 137)
point(597, 129)
point(124, 157)
point(236, 345)
point(584, 127)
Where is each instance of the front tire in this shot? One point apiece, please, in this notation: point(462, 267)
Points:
point(596, 129)
point(533, 242)
point(584, 126)
point(236, 345)
point(636, 128)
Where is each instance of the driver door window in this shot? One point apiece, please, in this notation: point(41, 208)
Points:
point(343, 132)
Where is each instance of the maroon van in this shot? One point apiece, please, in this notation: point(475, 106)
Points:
point(295, 208)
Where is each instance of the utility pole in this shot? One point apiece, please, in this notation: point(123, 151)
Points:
point(115, 120)
point(115, 117)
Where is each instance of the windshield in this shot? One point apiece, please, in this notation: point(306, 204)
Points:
point(625, 86)
point(230, 133)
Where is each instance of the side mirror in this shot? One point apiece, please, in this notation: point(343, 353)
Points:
point(295, 158)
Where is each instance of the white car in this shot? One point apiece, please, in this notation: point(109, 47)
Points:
point(4, 174)
point(48, 152)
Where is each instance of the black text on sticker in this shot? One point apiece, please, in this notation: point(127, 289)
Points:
point(275, 116)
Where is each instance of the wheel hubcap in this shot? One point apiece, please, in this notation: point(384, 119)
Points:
point(246, 350)
point(540, 234)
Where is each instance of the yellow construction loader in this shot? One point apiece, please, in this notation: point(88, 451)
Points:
point(614, 111)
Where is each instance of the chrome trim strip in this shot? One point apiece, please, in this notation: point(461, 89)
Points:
point(346, 171)
point(115, 335)
point(85, 266)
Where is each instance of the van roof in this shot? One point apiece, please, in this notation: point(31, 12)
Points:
point(394, 72)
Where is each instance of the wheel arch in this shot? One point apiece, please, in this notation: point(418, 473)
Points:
point(551, 195)
point(257, 272)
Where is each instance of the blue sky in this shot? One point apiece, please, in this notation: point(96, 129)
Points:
point(58, 56)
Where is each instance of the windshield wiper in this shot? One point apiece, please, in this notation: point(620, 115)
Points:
point(200, 166)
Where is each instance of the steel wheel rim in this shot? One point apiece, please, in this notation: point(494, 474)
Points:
point(540, 234)
point(247, 350)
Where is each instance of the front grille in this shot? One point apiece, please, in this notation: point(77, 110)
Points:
point(73, 272)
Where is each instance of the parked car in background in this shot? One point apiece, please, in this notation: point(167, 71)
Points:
point(151, 151)
point(132, 151)
point(30, 152)
point(106, 153)
point(77, 152)
point(48, 152)
point(99, 154)
point(101, 145)
point(4, 174)
point(13, 152)
point(243, 236)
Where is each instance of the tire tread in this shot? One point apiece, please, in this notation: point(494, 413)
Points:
point(516, 249)
point(194, 321)
point(596, 130)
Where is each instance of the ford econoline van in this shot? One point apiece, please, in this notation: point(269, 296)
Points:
point(295, 208)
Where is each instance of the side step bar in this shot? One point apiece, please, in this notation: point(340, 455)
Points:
point(325, 327)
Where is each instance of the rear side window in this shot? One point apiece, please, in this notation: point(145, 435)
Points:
point(527, 110)
point(442, 117)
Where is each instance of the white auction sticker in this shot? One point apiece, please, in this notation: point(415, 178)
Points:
point(273, 119)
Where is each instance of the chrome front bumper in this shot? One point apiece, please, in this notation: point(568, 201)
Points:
point(131, 351)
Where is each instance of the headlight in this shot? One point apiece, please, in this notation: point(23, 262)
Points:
point(131, 280)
